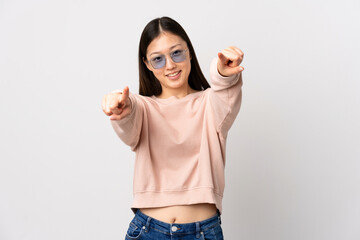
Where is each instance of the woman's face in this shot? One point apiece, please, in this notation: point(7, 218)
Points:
point(173, 76)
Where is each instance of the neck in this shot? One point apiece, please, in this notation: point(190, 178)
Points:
point(178, 93)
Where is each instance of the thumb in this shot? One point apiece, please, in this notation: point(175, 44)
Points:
point(235, 70)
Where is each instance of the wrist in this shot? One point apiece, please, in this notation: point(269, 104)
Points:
point(219, 72)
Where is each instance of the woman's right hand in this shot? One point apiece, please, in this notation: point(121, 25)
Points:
point(117, 105)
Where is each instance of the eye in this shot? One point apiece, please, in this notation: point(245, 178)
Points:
point(157, 59)
point(177, 52)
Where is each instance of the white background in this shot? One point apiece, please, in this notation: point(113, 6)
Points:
point(293, 155)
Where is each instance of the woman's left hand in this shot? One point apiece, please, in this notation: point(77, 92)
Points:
point(229, 60)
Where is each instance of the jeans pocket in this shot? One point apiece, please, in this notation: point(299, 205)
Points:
point(135, 230)
point(214, 233)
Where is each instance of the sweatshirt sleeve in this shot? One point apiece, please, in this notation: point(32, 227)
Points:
point(129, 128)
point(225, 98)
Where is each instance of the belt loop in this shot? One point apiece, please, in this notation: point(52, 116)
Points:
point(197, 230)
point(219, 217)
point(147, 224)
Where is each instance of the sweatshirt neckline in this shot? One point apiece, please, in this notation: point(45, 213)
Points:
point(175, 99)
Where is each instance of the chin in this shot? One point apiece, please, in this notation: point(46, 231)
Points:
point(176, 85)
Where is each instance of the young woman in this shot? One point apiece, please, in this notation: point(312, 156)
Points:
point(177, 125)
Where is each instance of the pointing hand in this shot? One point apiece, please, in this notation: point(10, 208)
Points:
point(229, 60)
point(117, 105)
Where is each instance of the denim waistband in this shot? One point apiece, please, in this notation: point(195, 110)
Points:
point(175, 228)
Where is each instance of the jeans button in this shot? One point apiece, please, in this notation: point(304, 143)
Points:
point(174, 228)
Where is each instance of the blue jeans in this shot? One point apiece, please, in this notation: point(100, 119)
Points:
point(144, 227)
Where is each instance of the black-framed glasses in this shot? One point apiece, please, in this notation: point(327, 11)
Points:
point(159, 61)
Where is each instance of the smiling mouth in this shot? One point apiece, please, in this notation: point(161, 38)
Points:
point(173, 74)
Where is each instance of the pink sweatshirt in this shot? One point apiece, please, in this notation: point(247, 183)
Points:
point(180, 143)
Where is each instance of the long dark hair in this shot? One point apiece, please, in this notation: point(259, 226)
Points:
point(149, 85)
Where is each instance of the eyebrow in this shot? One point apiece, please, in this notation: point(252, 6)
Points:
point(169, 49)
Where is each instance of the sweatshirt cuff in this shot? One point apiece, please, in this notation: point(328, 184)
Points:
point(219, 80)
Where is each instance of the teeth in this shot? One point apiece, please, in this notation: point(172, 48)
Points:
point(173, 74)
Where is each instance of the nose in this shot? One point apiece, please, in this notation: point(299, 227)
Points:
point(170, 64)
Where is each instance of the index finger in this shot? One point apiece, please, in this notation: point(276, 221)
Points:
point(125, 94)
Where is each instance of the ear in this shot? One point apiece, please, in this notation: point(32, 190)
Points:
point(147, 64)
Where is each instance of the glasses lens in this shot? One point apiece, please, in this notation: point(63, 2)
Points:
point(178, 56)
point(158, 62)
